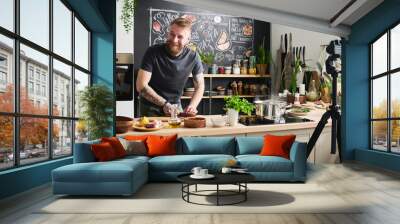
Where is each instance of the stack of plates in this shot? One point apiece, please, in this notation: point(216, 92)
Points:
point(189, 92)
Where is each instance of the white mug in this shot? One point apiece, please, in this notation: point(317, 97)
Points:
point(226, 170)
point(196, 171)
point(203, 172)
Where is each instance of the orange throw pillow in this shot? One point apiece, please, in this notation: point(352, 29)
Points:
point(161, 145)
point(277, 145)
point(103, 152)
point(136, 137)
point(116, 145)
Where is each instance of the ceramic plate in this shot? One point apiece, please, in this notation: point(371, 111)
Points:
point(137, 128)
point(208, 176)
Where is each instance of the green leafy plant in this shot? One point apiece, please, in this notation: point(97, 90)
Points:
point(263, 56)
point(207, 58)
point(293, 80)
point(97, 105)
point(127, 14)
point(238, 104)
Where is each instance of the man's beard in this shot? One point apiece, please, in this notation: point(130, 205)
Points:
point(174, 49)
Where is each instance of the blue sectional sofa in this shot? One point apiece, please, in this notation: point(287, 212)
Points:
point(125, 176)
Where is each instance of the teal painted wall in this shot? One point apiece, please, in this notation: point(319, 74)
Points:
point(99, 15)
point(356, 84)
point(24, 178)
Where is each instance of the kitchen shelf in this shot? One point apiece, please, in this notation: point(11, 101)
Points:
point(214, 104)
point(235, 76)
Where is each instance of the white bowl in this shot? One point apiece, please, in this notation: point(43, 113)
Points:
point(218, 121)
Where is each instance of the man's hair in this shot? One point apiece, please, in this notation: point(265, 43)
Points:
point(182, 22)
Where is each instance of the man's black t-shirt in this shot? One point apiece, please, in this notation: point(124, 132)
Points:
point(169, 73)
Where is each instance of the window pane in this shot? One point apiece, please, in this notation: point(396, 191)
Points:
point(81, 45)
point(34, 97)
point(33, 139)
point(379, 55)
point(62, 141)
point(379, 135)
point(395, 138)
point(35, 21)
point(6, 142)
point(6, 74)
point(81, 81)
point(62, 89)
point(395, 95)
point(395, 47)
point(379, 97)
point(7, 14)
point(62, 29)
point(81, 132)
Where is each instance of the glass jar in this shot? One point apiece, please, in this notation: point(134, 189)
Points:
point(236, 69)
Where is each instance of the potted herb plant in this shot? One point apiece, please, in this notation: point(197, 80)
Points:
point(96, 102)
point(263, 58)
point(208, 60)
point(234, 105)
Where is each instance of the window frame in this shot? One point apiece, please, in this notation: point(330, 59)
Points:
point(388, 74)
point(16, 114)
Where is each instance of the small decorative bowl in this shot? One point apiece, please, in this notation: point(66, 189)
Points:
point(194, 122)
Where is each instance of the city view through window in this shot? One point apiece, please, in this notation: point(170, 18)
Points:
point(385, 94)
point(46, 109)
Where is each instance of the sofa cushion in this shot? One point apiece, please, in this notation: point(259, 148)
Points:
point(257, 163)
point(161, 145)
point(249, 145)
point(134, 147)
point(208, 145)
point(275, 145)
point(112, 171)
point(185, 163)
point(116, 145)
point(103, 152)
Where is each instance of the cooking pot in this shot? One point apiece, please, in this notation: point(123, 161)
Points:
point(271, 108)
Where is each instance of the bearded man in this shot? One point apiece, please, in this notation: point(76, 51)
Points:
point(164, 71)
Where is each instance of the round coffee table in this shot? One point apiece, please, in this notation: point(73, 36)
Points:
point(238, 179)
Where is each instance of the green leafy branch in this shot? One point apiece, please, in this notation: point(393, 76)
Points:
point(127, 14)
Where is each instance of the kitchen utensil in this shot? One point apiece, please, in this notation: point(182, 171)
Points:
point(304, 57)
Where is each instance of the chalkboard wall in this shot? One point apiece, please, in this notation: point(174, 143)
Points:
point(229, 37)
point(208, 33)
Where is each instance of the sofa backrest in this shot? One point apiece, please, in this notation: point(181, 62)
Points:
point(206, 145)
point(249, 145)
point(83, 152)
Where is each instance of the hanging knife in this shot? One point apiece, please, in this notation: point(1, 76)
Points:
point(304, 57)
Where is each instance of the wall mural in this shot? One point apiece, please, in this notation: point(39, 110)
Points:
point(228, 37)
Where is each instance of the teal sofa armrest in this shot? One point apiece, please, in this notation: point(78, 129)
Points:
point(83, 152)
point(299, 159)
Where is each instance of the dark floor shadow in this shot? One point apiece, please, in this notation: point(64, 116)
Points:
point(255, 198)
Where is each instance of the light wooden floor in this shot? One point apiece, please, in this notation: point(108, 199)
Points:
point(379, 189)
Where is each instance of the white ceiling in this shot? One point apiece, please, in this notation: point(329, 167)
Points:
point(314, 15)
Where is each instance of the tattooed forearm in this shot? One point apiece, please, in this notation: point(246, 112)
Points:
point(198, 82)
point(149, 94)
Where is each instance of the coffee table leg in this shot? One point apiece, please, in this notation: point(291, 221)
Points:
point(245, 191)
point(196, 188)
point(217, 194)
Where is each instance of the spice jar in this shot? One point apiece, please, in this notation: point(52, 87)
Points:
point(236, 69)
point(243, 69)
point(228, 69)
point(221, 70)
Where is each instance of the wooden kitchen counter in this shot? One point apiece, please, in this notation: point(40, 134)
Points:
point(239, 129)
